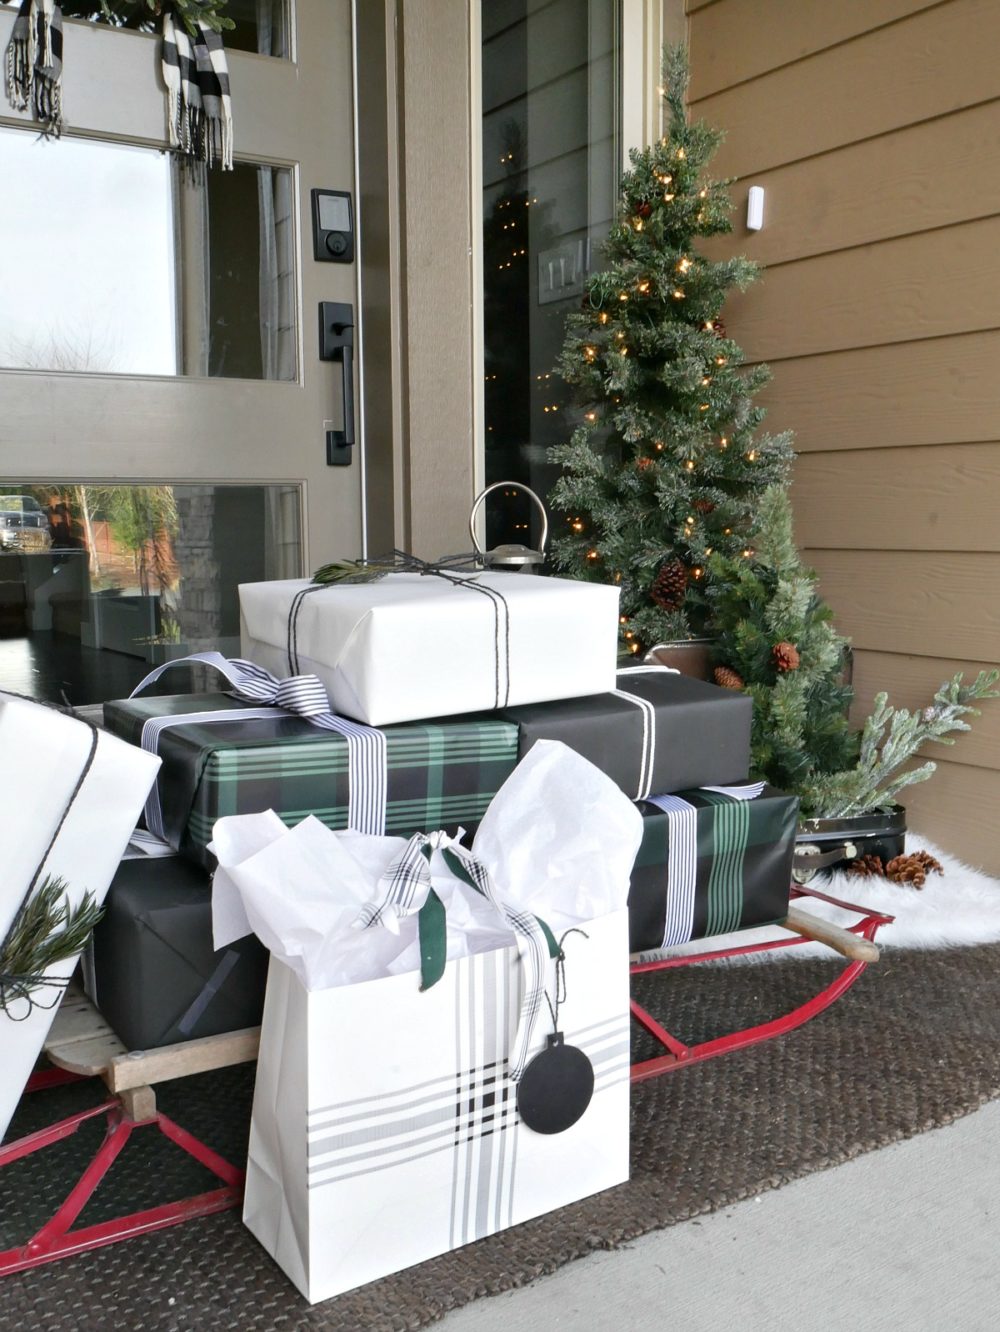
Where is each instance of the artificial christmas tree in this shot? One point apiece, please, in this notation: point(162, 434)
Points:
point(665, 466)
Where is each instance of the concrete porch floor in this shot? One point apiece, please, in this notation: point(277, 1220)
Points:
point(903, 1238)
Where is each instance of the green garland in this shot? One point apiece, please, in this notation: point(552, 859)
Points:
point(190, 12)
point(45, 931)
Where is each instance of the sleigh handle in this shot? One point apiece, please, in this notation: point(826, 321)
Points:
point(842, 941)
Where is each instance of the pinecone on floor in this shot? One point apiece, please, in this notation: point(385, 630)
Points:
point(669, 585)
point(907, 869)
point(728, 679)
point(866, 867)
point(931, 866)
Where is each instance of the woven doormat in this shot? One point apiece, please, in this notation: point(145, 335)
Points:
point(914, 1045)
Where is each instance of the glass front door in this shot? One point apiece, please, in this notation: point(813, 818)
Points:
point(163, 408)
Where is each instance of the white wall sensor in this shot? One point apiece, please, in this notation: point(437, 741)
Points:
point(755, 208)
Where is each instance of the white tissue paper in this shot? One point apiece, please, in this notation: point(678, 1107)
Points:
point(558, 839)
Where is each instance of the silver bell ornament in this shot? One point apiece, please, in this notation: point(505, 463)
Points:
point(512, 555)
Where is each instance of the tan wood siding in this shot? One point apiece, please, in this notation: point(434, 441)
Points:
point(808, 211)
point(942, 498)
point(957, 810)
point(915, 601)
point(942, 391)
point(914, 680)
point(742, 39)
point(922, 286)
point(875, 131)
point(931, 64)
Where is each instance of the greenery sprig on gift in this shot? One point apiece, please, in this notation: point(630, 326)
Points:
point(45, 931)
point(891, 737)
point(190, 12)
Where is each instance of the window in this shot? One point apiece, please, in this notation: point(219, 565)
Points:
point(550, 77)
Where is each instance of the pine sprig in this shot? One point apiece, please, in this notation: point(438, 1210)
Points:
point(45, 931)
point(190, 12)
point(891, 737)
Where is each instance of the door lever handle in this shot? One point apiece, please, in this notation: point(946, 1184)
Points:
point(336, 343)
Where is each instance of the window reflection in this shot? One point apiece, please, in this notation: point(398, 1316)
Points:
point(98, 583)
point(261, 25)
point(111, 263)
point(550, 153)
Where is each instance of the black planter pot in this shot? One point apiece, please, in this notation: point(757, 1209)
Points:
point(828, 844)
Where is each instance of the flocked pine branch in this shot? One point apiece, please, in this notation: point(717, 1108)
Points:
point(891, 738)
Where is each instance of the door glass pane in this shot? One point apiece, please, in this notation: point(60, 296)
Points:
point(100, 583)
point(550, 182)
point(112, 263)
point(261, 25)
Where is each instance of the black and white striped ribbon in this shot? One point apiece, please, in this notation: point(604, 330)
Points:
point(33, 63)
point(403, 889)
point(682, 857)
point(647, 754)
point(300, 696)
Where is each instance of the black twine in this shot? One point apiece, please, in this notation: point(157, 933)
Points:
point(400, 561)
point(561, 978)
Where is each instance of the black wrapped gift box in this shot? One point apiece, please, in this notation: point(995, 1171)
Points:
point(658, 732)
point(710, 864)
point(157, 978)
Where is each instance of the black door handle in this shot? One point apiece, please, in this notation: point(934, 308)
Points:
point(336, 343)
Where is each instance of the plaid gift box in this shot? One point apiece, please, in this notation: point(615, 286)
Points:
point(440, 773)
point(711, 862)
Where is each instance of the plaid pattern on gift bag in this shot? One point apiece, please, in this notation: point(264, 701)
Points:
point(711, 862)
point(440, 774)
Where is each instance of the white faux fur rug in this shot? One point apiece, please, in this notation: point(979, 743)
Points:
point(959, 907)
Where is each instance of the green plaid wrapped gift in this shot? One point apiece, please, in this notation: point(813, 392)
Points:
point(711, 861)
point(440, 773)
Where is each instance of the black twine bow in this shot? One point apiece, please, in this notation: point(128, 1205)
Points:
point(561, 977)
point(370, 570)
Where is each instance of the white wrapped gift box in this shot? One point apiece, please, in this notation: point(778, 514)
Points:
point(45, 752)
point(410, 646)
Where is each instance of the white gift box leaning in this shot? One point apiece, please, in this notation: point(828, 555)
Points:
point(390, 1121)
point(461, 643)
point(53, 824)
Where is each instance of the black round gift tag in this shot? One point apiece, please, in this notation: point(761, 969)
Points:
point(556, 1087)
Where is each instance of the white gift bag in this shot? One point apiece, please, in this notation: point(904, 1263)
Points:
point(47, 825)
point(409, 646)
point(385, 1125)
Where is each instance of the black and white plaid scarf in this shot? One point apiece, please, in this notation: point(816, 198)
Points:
point(34, 63)
point(199, 106)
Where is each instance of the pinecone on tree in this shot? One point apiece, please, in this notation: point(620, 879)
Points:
point(786, 656)
point(906, 869)
point(669, 585)
point(866, 867)
point(726, 678)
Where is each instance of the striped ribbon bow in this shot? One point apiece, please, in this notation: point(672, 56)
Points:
point(405, 888)
point(298, 696)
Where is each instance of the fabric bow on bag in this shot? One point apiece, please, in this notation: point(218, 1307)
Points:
point(406, 887)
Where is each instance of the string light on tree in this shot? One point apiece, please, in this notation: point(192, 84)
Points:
point(643, 483)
